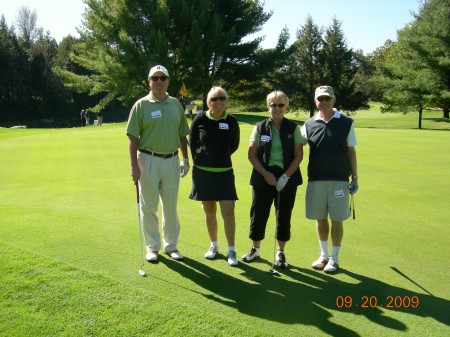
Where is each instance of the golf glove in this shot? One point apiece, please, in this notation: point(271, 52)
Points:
point(282, 181)
point(353, 188)
point(184, 167)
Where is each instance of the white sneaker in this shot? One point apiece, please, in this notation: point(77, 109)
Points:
point(175, 254)
point(320, 263)
point(331, 267)
point(211, 253)
point(231, 258)
point(151, 256)
point(251, 255)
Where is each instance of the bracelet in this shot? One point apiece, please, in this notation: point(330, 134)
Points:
point(354, 177)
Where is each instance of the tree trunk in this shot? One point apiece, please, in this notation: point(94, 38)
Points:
point(446, 110)
point(420, 118)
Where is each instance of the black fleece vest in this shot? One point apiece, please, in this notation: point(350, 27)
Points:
point(287, 130)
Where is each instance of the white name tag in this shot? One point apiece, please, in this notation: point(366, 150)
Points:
point(265, 138)
point(223, 126)
point(339, 194)
point(156, 114)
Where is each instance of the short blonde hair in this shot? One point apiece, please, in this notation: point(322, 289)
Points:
point(276, 94)
point(213, 91)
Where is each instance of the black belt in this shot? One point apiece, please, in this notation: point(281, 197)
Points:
point(161, 155)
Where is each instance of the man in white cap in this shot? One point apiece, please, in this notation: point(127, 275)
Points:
point(156, 129)
point(332, 159)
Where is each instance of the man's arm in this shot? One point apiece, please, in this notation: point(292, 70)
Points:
point(132, 149)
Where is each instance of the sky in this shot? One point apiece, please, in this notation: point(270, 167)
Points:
point(366, 24)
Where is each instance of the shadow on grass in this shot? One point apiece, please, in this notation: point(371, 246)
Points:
point(437, 120)
point(303, 296)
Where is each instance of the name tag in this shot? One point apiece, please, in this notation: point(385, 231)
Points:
point(223, 126)
point(265, 138)
point(339, 194)
point(156, 114)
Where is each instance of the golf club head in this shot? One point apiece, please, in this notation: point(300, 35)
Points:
point(142, 273)
point(274, 272)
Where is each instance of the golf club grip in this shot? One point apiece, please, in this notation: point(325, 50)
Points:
point(137, 192)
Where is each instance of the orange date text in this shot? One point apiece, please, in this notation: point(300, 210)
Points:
point(367, 302)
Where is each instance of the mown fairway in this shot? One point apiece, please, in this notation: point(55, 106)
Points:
point(69, 245)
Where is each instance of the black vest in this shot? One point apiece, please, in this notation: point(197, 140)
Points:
point(328, 156)
point(287, 130)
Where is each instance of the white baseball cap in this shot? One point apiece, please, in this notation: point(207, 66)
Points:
point(157, 68)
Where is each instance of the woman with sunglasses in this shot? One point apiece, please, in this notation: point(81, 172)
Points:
point(214, 136)
point(332, 159)
point(275, 153)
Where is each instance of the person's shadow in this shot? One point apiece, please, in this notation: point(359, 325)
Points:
point(301, 296)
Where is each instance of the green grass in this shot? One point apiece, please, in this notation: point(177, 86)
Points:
point(372, 118)
point(69, 244)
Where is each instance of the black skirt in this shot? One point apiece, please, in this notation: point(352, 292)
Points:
point(212, 186)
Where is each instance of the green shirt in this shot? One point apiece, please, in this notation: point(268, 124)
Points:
point(157, 125)
point(276, 151)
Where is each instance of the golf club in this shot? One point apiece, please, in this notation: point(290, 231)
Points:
point(352, 205)
point(277, 210)
point(141, 271)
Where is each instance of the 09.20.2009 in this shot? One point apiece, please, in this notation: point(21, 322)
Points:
point(390, 302)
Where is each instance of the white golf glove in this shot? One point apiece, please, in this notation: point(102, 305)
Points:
point(353, 188)
point(282, 181)
point(184, 167)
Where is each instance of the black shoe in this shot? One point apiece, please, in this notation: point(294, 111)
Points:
point(281, 260)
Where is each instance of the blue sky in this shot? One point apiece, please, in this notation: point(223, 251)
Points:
point(367, 24)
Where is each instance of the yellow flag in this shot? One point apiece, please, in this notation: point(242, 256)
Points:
point(183, 91)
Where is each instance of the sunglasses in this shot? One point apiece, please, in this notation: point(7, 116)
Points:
point(156, 78)
point(220, 98)
point(276, 105)
point(324, 98)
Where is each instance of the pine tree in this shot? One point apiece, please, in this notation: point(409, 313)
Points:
point(200, 42)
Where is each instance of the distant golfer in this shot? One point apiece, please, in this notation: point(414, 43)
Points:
point(214, 137)
point(332, 159)
point(83, 117)
point(275, 152)
point(156, 129)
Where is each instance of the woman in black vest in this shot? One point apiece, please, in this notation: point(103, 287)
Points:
point(275, 152)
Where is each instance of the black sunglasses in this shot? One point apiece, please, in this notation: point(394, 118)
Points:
point(324, 98)
point(220, 98)
point(156, 78)
point(276, 105)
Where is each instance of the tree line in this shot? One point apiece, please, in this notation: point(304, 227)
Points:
point(205, 43)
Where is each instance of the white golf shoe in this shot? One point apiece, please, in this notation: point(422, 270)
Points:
point(231, 258)
point(320, 263)
point(331, 267)
point(151, 256)
point(251, 255)
point(211, 253)
point(175, 254)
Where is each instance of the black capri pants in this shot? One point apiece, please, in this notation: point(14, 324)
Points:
point(262, 200)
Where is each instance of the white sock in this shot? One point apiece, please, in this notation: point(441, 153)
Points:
point(335, 253)
point(214, 244)
point(231, 248)
point(257, 248)
point(324, 248)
